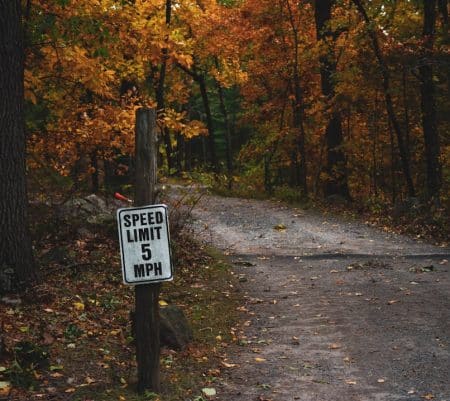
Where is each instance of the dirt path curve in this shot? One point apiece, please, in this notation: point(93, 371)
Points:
point(334, 310)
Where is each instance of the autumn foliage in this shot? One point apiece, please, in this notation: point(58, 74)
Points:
point(257, 86)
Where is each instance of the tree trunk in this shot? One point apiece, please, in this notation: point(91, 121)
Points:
point(297, 110)
point(160, 92)
point(209, 122)
point(388, 98)
point(200, 79)
point(15, 242)
point(336, 162)
point(228, 150)
point(428, 102)
point(443, 10)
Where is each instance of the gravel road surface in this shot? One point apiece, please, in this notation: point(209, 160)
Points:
point(333, 310)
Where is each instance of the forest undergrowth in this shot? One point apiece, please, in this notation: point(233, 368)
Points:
point(69, 337)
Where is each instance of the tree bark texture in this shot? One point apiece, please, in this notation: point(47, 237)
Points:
point(160, 92)
point(15, 242)
point(298, 116)
point(209, 123)
point(211, 145)
point(228, 144)
point(146, 295)
point(388, 98)
point(336, 161)
point(428, 102)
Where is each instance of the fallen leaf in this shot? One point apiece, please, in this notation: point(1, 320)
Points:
point(350, 382)
point(392, 301)
point(163, 303)
point(260, 360)
point(228, 365)
point(381, 380)
point(279, 227)
point(334, 346)
point(428, 396)
point(78, 306)
point(209, 391)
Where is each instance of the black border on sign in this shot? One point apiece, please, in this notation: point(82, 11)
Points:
point(122, 257)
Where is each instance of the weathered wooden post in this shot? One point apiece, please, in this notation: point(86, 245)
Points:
point(145, 252)
point(146, 295)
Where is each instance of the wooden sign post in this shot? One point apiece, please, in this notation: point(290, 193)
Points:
point(146, 295)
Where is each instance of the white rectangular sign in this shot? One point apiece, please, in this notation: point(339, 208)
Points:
point(145, 244)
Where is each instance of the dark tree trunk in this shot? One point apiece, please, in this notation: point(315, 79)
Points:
point(443, 10)
point(388, 98)
point(428, 102)
point(297, 111)
point(201, 81)
point(15, 242)
point(160, 92)
point(226, 119)
point(336, 162)
point(180, 152)
point(209, 123)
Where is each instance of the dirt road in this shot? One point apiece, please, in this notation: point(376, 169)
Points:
point(334, 310)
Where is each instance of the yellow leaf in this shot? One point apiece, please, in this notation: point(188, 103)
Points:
point(279, 227)
point(260, 360)
point(78, 306)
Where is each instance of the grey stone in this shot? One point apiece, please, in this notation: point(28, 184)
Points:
point(175, 331)
point(97, 202)
point(101, 218)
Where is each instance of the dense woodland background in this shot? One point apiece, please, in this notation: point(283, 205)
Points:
point(345, 97)
point(343, 100)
